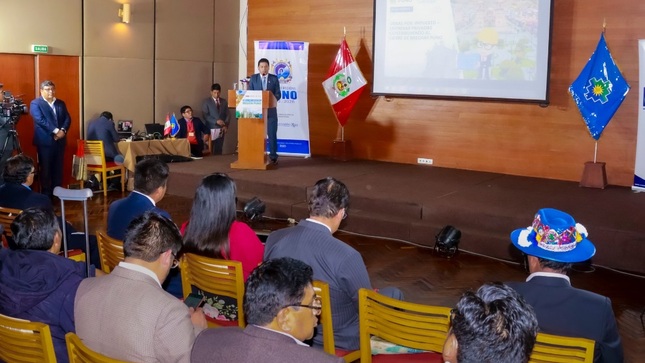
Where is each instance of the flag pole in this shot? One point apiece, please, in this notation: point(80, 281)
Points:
point(342, 128)
point(595, 152)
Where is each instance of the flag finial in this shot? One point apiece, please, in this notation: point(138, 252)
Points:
point(344, 32)
point(604, 25)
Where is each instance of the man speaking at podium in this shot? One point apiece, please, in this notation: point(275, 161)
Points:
point(268, 82)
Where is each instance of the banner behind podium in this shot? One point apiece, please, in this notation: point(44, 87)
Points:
point(289, 60)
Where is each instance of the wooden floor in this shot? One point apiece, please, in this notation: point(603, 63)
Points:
point(427, 278)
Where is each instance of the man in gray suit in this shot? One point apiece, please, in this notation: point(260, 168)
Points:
point(281, 310)
point(126, 314)
point(215, 111)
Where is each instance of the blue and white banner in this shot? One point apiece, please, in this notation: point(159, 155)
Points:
point(639, 169)
point(289, 61)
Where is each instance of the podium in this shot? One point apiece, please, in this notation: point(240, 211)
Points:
point(251, 134)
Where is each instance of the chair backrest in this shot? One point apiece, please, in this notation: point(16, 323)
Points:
point(80, 353)
point(322, 290)
point(412, 325)
point(25, 341)
point(110, 251)
point(559, 349)
point(215, 276)
point(7, 215)
point(94, 152)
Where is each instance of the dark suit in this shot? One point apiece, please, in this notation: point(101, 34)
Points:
point(125, 210)
point(212, 113)
point(253, 344)
point(273, 85)
point(199, 128)
point(102, 129)
point(564, 310)
point(50, 151)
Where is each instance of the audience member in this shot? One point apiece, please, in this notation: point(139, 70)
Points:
point(126, 315)
point(193, 129)
point(215, 111)
point(553, 242)
point(494, 325)
point(281, 310)
point(150, 178)
point(103, 129)
point(16, 193)
point(333, 261)
point(212, 231)
point(35, 282)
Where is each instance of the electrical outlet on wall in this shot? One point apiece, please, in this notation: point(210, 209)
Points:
point(424, 161)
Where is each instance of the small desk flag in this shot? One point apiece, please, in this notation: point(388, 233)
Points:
point(344, 83)
point(599, 89)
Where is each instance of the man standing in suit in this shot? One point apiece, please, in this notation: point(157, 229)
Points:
point(263, 81)
point(552, 243)
point(193, 129)
point(215, 111)
point(51, 122)
point(102, 129)
point(332, 260)
point(125, 314)
point(150, 178)
point(281, 310)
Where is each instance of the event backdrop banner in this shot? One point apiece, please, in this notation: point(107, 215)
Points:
point(639, 169)
point(289, 61)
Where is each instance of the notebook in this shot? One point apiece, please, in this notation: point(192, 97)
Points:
point(154, 129)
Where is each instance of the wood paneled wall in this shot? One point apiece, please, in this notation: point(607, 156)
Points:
point(505, 137)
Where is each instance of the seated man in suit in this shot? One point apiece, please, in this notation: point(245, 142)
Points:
point(16, 193)
point(281, 311)
point(332, 260)
point(493, 325)
point(193, 129)
point(553, 242)
point(150, 178)
point(125, 314)
point(35, 282)
point(102, 129)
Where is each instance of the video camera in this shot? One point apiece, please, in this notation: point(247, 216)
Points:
point(11, 108)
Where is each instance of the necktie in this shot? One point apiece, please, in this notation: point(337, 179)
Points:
point(264, 83)
point(217, 103)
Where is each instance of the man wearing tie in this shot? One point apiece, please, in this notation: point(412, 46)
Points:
point(51, 122)
point(215, 111)
point(268, 82)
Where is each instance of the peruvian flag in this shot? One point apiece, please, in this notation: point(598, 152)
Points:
point(344, 83)
point(167, 128)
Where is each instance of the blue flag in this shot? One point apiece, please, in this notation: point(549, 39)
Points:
point(599, 89)
point(174, 125)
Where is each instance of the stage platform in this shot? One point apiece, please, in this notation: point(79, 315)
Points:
point(413, 202)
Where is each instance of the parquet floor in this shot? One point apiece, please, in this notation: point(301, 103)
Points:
point(428, 278)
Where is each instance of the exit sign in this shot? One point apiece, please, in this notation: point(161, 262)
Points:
point(39, 48)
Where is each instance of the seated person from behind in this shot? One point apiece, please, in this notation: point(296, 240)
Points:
point(103, 129)
point(212, 231)
point(281, 311)
point(35, 282)
point(193, 129)
point(16, 193)
point(493, 325)
point(560, 308)
point(125, 314)
point(333, 261)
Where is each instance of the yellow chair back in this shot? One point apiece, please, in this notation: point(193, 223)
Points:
point(95, 160)
point(110, 251)
point(559, 349)
point(80, 353)
point(403, 323)
point(215, 276)
point(25, 341)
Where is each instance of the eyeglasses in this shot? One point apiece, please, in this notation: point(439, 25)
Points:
point(175, 261)
point(345, 214)
point(453, 313)
point(49, 89)
point(315, 306)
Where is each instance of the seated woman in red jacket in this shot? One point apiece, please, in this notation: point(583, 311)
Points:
point(212, 231)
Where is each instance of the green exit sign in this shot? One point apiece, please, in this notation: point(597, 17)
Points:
point(39, 48)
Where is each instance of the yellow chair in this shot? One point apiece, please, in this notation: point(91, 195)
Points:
point(95, 160)
point(215, 276)
point(25, 341)
point(407, 324)
point(110, 251)
point(80, 353)
point(559, 349)
point(7, 215)
point(329, 346)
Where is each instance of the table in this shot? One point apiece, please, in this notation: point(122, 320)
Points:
point(131, 149)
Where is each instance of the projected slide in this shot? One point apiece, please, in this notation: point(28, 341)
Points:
point(462, 48)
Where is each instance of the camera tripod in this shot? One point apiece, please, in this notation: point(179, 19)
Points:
point(12, 135)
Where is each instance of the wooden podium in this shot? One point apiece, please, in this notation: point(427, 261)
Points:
point(251, 135)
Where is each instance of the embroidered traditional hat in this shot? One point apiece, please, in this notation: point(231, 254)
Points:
point(554, 235)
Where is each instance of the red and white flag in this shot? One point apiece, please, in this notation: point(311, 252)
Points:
point(344, 83)
point(167, 127)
